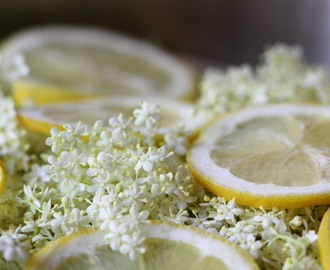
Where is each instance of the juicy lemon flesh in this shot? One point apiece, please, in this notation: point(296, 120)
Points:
point(90, 116)
point(88, 68)
point(161, 254)
point(282, 150)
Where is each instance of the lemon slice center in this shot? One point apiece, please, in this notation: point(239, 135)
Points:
point(90, 67)
point(282, 150)
point(161, 254)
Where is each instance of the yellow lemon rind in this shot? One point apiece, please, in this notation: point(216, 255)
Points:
point(36, 125)
point(323, 240)
point(25, 91)
point(2, 177)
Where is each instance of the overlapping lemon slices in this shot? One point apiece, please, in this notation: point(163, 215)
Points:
point(271, 156)
point(169, 246)
point(323, 240)
point(172, 111)
point(68, 62)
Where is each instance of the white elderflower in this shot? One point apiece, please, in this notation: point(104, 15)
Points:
point(36, 175)
point(132, 245)
point(241, 231)
point(30, 199)
point(94, 209)
point(279, 227)
point(116, 230)
point(151, 159)
point(106, 166)
point(14, 247)
point(40, 225)
point(176, 139)
point(67, 139)
point(125, 236)
point(109, 212)
point(228, 211)
point(122, 134)
point(251, 245)
point(311, 236)
point(147, 115)
point(72, 221)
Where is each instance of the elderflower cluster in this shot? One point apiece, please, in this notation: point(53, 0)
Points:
point(282, 75)
point(13, 145)
point(113, 180)
point(11, 68)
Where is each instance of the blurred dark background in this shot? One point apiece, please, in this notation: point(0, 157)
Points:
point(205, 31)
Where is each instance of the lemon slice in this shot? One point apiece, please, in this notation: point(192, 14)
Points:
point(172, 111)
point(271, 156)
point(68, 62)
point(169, 246)
point(323, 240)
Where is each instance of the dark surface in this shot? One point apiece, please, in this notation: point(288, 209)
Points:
point(215, 31)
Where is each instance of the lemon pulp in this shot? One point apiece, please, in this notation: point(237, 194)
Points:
point(283, 150)
point(123, 73)
point(160, 254)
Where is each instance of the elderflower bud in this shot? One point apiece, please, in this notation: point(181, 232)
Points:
point(297, 221)
point(65, 201)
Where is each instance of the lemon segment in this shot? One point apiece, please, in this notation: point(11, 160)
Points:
point(169, 246)
point(270, 156)
point(172, 111)
point(323, 240)
point(86, 61)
